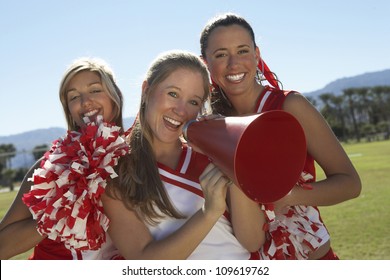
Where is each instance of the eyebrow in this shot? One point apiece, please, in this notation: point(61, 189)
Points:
point(173, 87)
point(179, 89)
point(239, 47)
point(201, 99)
point(91, 84)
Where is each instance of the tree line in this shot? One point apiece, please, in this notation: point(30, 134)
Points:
point(358, 113)
point(8, 174)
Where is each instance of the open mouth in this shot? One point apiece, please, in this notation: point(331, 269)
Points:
point(236, 77)
point(91, 116)
point(91, 113)
point(172, 122)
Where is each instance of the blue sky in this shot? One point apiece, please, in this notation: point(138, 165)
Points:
point(307, 43)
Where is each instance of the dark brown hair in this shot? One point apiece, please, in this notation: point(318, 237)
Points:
point(220, 104)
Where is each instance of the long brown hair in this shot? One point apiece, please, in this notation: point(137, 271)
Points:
point(139, 185)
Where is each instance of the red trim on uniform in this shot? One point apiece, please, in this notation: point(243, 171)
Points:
point(49, 249)
point(79, 255)
point(188, 188)
point(255, 256)
point(182, 185)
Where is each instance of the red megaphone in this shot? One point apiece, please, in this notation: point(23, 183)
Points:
point(263, 154)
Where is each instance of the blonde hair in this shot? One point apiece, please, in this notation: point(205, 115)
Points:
point(106, 74)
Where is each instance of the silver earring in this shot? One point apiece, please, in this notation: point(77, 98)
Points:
point(259, 76)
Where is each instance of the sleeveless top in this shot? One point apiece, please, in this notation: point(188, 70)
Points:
point(49, 249)
point(299, 230)
point(183, 188)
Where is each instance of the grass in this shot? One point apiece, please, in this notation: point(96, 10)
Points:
point(359, 228)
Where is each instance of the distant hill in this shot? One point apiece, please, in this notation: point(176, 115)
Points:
point(371, 79)
point(26, 141)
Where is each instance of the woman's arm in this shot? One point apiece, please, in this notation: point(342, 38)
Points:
point(247, 219)
point(134, 241)
point(18, 237)
point(18, 229)
point(342, 181)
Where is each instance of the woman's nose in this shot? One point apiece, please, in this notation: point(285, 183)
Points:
point(233, 60)
point(180, 108)
point(85, 100)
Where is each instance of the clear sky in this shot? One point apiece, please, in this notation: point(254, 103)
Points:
point(307, 43)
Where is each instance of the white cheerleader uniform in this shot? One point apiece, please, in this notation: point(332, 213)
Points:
point(183, 188)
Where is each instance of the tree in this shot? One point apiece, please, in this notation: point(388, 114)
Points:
point(333, 112)
point(8, 176)
point(7, 152)
point(358, 112)
point(381, 103)
point(312, 100)
point(39, 151)
point(351, 97)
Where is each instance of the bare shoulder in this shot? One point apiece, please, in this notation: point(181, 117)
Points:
point(301, 108)
point(295, 102)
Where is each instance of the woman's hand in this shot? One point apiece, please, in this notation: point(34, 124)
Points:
point(214, 185)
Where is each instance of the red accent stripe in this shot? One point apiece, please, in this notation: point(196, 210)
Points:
point(182, 185)
point(79, 255)
point(188, 188)
point(255, 256)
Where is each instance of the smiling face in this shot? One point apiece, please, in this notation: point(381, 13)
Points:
point(232, 59)
point(87, 97)
point(172, 103)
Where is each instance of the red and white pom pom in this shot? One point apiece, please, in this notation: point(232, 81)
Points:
point(65, 198)
point(291, 234)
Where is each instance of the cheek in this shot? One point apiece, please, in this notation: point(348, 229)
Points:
point(152, 106)
point(216, 71)
point(252, 62)
point(73, 111)
point(150, 114)
point(110, 112)
point(213, 69)
point(193, 112)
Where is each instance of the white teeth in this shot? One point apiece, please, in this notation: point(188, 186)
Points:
point(91, 113)
point(236, 77)
point(172, 121)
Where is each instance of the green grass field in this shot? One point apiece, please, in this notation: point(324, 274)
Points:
point(359, 228)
